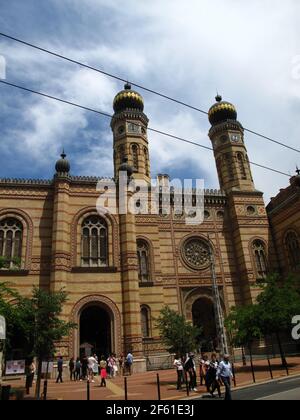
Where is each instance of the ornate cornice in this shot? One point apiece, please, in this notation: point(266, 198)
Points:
point(224, 126)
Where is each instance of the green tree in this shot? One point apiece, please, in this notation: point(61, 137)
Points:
point(178, 335)
point(278, 303)
point(36, 320)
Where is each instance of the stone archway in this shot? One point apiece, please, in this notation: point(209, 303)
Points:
point(89, 306)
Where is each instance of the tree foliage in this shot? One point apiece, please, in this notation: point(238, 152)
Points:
point(178, 335)
point(272, 313)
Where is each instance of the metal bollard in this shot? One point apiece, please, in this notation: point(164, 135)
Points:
point(126, 390)
point(233, 373)
point(45, 390)
point(158, 387)
point(88, 390)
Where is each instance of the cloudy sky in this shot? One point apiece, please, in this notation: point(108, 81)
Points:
point(248, 51)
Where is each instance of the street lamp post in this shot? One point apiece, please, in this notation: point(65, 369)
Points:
point(218, 308)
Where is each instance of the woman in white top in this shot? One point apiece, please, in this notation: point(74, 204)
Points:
point(179, 368)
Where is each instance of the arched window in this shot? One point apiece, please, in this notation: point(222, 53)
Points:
point(135, 156)
point(144, 261)
point(241, 162)
point(11, 235)
point(259, 252)
point(146, 161)
point(94, 242)
point(293, 248)
point(145, 320)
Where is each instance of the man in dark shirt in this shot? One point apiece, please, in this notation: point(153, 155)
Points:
point(60, 369)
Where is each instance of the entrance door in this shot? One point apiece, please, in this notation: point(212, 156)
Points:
point(204, 317)
point(95, 331)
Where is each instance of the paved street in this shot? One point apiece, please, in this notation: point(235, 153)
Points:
point(281, 390)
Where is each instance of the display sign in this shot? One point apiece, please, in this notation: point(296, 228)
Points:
point(2, 328)
point(15, 367)
point(44, 367)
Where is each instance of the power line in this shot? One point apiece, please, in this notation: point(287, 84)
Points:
point(163, 133)
point(177, 101)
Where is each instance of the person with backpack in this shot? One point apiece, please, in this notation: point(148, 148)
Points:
point(129, 362)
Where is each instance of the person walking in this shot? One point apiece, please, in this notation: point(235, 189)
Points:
point(212, 383)
point(103, 371)
point(72, 369)
point(30, 371)
point(224, 372)
point(204, 362)
point(84, 368)
point(190, 368)
point(92, 361)
point(129, 362)
point(121, 363)
point(60, 369)
point(180, 371)
point(77, 375)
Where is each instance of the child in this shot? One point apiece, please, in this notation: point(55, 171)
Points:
point(103, 377)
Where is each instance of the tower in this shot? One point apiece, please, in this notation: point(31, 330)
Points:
point(129, 125)
point(249, 230)
point(227, 136)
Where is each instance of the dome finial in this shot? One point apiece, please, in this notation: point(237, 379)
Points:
point(218, 97)
point(127, 86)
point(62, 165)
point(297, 171)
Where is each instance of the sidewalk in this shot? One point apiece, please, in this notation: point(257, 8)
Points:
point(144, 386)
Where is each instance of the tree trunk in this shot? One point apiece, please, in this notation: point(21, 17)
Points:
point(38, 381)
point(282, 355)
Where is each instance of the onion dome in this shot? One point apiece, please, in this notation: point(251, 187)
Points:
point(128, 99)
point(62, 165)
point(125, 167)
point(221, 111)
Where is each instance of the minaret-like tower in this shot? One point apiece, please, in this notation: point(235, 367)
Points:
point(227, 136)
point(129, 125)
point(248, 226)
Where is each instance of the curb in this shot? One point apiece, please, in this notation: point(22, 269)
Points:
point(240, 388)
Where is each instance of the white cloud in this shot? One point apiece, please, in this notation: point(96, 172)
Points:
point(186, 50)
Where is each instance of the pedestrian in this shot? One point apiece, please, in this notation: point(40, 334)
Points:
point(84, 368)
point(92, 361)
point(129, 362)
point(72, 369)
point(121, 363)
point(103, 377)
point(224, 372)
point(203, 368)
point(212, 383)
point(190, 368)
point(60, 369)
point(103, 371)
point(30, 371)
point(115, 365)
point(96, 366)
point(77, 369)
point(179, 369)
